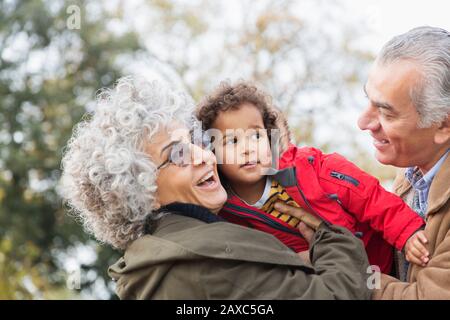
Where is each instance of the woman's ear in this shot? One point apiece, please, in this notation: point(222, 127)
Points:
point(156, 204)
point(442, 135)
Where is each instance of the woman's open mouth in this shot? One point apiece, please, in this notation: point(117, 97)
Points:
point(208, 181)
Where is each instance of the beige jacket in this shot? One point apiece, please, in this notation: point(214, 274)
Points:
point(432, 281)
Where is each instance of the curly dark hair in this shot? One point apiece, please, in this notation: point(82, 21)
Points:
point(228, 96)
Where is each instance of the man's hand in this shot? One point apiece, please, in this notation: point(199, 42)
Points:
point(300, 214)
point(415, 249)
point(304, 255)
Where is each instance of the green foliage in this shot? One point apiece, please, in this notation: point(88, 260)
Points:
point(37, 111)
point(49, 75)
point(22, 277)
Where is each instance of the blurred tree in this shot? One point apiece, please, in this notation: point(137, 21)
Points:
point(305, 53)
point(48, 76)
point(302, 52)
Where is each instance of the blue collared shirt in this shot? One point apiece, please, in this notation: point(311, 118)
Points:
point(421, 184)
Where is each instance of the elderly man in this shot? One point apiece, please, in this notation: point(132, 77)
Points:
point(408, 116)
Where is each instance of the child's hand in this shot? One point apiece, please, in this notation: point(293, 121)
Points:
point(415, 249)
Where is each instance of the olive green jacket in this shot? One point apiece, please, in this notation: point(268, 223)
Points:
point(186, 258)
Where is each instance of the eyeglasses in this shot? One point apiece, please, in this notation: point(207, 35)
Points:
point(180, 152)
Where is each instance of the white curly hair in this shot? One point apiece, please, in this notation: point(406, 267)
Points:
point(107, 181)
point(430, 48)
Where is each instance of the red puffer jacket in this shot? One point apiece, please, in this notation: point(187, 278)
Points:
point(336, 190)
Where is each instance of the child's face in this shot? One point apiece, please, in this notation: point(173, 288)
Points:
point(244, 148)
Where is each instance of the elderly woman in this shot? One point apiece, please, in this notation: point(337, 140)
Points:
point(139, 184)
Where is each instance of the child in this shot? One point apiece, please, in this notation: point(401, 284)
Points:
point(325, 185)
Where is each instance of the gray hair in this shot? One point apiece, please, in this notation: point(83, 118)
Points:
point(108, 181)
point(429, 47)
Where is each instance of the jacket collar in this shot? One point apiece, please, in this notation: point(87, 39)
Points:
point(178, 237)
point(191, 210)
point(439, 190)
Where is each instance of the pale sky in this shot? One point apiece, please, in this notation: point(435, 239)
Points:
point(387, 18)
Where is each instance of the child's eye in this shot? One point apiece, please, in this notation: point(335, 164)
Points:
point(257, 135)
point(231, 141)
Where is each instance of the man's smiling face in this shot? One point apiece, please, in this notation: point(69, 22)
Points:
point(392, 118)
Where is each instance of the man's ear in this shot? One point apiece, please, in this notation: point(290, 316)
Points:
point(442, 135)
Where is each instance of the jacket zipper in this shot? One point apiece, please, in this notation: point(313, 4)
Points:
point(327, 223)
point(262, 219)
point(344, 177)
point(306, 201)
